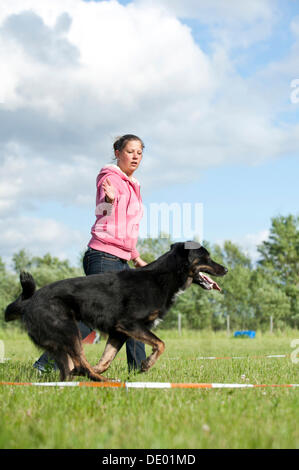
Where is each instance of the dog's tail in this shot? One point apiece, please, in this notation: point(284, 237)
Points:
point(15, 309)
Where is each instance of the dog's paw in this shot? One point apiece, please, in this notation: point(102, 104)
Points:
point(144, 366)
point(77, 372)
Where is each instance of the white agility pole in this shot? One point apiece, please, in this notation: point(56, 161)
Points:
point(244, 357)
point(271, 356)
point(153, 385)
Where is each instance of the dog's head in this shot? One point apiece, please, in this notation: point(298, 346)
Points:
point(198, 261)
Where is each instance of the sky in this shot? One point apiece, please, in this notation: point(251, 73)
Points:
point(212, 88)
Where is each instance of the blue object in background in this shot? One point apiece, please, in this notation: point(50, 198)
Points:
point(249, 333)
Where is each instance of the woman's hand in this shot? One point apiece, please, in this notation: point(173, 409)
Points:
point(109, 191)
point(139, 263)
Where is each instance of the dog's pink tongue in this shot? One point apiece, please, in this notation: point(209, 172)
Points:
point(212, 283)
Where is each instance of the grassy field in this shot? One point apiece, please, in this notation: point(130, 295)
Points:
point(86, 418)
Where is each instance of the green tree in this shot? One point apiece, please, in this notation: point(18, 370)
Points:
point(281, 250)
point(235, 300)
point(21, 261)
point(268, 299)
point(151, 248)
point(280, 261)
point(2, 265)
point(9, 289)
point(46, 269)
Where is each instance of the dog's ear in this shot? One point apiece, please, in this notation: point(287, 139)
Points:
point(179, 249)
point(192, 245)
point(189, 245)
point(176, 245)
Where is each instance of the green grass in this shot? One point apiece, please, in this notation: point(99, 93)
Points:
point(71, 418)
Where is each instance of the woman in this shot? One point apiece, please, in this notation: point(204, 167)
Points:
point(115, 231)
point(118, 213)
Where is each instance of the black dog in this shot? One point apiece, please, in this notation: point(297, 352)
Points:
point(124, 304)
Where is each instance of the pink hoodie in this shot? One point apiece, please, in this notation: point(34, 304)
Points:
point(116, 228)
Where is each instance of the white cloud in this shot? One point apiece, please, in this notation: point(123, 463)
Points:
point(78, 74)
point(295, 26)
point(233, 23)
point(134, 67)
point(40, 236)
point(29, 181)
point(58, 109)
point(217, 11)
point(249, 243)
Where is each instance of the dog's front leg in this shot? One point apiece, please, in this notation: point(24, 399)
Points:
point(158, 349)
point(113, 345)
point(142, 334)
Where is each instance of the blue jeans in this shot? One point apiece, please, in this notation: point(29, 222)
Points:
point(96, 262)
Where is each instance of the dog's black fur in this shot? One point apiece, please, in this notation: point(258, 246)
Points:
point(123, 304)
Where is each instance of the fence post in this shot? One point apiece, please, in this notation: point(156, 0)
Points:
point(2, 351)
point(180, 323)
point(271, 324)
point(227, 325)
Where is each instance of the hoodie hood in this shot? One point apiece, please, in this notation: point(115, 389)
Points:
point(114, 169)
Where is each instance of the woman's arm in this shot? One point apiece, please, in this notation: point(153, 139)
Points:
point(138, 262)
point(109, 191)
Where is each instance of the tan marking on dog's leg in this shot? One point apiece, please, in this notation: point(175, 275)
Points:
point(158, 349)
point(112, 347)
point(147, 337)
point(71, 364)
point(82, 366)
point(74, 358)
point(61, 359)
point(89, 371)
point(153, 315)
point(106, 359)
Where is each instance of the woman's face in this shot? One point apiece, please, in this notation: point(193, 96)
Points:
point(129, 158)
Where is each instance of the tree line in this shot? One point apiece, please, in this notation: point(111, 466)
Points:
point(252, 292)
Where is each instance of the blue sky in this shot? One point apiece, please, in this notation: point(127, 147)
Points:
point(208, 89)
